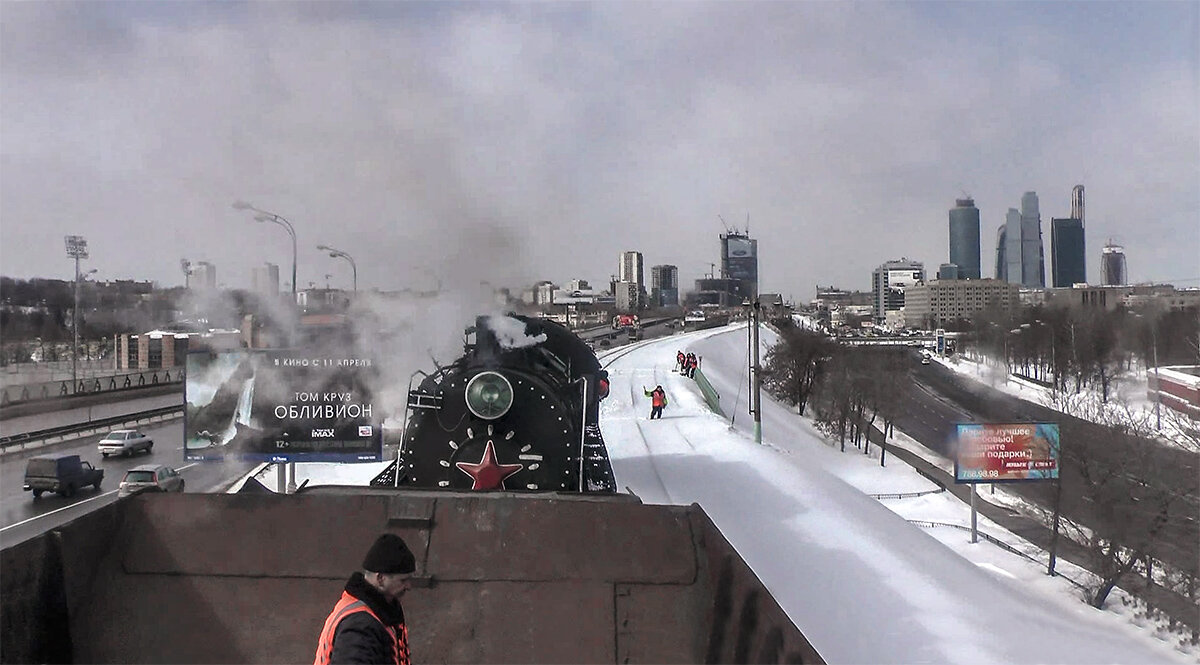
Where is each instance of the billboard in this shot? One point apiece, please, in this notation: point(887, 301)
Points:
point(738, 248)
point(901, 279)
point(565, 297)
point(999, 453)
point(280, 405)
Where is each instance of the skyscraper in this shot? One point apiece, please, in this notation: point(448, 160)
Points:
point(964, 238)
point(664, 286)
point(1013, 266)
point(204, 275)
point(739, 260)
point(1020, 257)
point(888, 282)
point(630, 271)
point(1033, 253)
point(1002, 252)
point(1068, 264)
point(1112, 265)
point(1077, 202)
point(266, 279)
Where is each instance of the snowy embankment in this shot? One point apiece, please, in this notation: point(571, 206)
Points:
point(861, 582)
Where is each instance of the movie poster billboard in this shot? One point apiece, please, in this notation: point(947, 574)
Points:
point(280, 405)
point(1003, 453)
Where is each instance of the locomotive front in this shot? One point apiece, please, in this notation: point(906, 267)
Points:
point(517, 411)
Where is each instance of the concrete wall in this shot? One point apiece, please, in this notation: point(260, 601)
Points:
point(500, 578)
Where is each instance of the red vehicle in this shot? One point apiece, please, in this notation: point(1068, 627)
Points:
point(625, 321)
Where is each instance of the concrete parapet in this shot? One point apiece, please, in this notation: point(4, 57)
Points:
point(501, 577)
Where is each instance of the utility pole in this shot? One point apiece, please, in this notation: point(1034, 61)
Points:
point(756, 385)
point(76, 249)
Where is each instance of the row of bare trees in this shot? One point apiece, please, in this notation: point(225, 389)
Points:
point(1113, 467)
point(846, 391)
point(1070, 349)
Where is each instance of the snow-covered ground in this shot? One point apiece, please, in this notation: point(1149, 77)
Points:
point(1129, 398)
point(863, 583)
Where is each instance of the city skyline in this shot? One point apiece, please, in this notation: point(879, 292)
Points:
point(459, 143)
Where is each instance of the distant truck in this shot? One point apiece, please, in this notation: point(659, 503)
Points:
point(61, 474)
point(625, 321)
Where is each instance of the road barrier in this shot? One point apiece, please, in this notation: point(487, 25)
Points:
point(710, 394)
point(37, 438)
point(62, 389)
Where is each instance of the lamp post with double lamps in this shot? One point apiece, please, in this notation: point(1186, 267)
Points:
point(266, 216)
point(337, 253)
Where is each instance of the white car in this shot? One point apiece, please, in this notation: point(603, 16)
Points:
point(124, 442)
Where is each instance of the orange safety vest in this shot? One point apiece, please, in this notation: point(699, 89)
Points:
point(346, 606)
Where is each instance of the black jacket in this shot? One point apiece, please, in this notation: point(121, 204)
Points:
point(359, 638)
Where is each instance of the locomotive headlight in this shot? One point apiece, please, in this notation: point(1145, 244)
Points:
point(489, 395)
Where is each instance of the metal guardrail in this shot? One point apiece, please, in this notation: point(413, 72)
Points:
point(907, 495)
point(24, 393)
point(710, 394)
point(38, 437)
point(993, 540)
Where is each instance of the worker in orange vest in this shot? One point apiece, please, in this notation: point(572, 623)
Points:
point(367, 623)
point(658, 399)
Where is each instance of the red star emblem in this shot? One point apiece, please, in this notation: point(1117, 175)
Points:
point(488, 474)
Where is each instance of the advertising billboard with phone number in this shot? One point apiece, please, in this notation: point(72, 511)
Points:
point(1006, 452)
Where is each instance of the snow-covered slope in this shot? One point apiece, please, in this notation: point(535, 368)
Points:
point(863, 584)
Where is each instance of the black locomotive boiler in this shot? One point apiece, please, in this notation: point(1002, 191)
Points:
point(519, 410)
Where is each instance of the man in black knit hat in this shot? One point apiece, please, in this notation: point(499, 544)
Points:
point(367, 624)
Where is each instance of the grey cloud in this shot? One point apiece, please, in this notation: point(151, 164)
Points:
point(516, 142)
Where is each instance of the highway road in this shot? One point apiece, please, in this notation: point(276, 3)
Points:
point(83, 414)
point(937, 399)
point(22, 517)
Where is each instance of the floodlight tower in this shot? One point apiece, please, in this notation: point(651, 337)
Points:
point(76, 249)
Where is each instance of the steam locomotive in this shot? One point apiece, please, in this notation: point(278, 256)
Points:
point(519, 410)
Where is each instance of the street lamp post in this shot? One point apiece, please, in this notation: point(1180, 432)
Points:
point(1157, 383)
point(337, 253)
point(265, 216)
point(76, 249)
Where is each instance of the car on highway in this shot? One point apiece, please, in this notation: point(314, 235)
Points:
point(61, 474)
point(124, 442)
point(150, 478)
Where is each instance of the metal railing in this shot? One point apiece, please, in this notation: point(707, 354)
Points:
point(40, 437)
point(22, 393)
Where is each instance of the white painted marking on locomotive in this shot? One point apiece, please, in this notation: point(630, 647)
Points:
point(470, 433)
point(531, 486)
point(533, 467)
point(509, 435)
point(525, 448)
point(443, 483)
point(453, 445)
point(444, 463)
point(490, 429)
point(532, 457)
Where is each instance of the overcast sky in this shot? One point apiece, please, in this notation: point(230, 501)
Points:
point(513, 142)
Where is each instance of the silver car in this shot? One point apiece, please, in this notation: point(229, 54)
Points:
point(124, 442)
point(150, 478)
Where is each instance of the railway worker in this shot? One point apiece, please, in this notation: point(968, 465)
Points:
point(658, 399)
point(367, 623)
point(680, 362)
